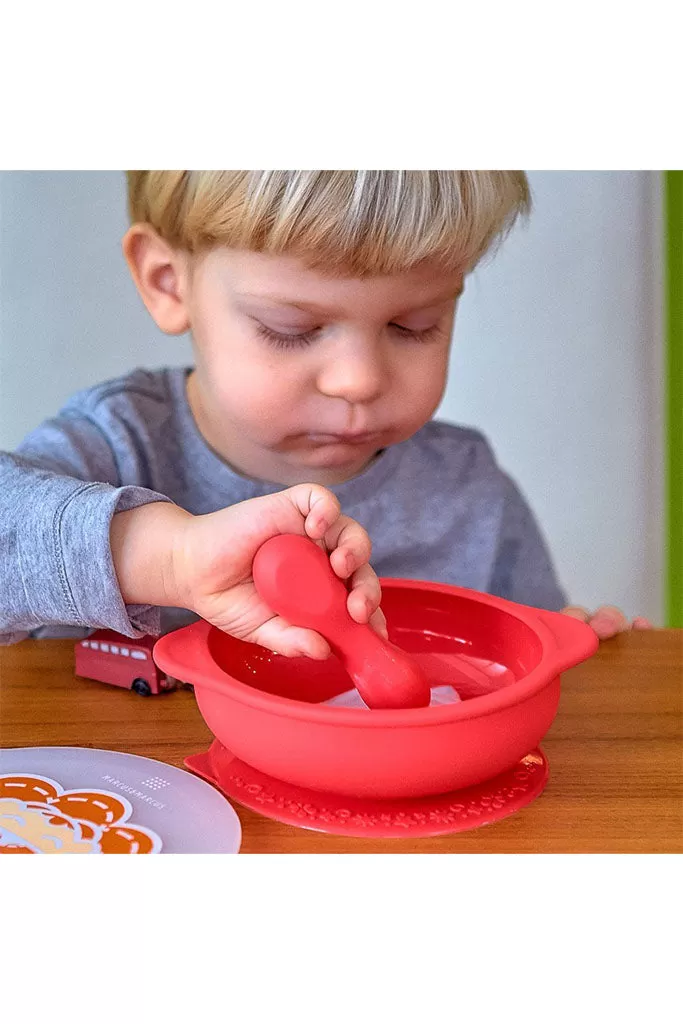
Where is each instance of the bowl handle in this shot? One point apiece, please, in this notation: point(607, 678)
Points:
point(183, 653)
point(576, 641)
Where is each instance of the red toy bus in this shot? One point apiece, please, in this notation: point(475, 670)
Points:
point(112, 658)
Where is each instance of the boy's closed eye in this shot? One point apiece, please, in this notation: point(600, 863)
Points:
point(289, 339)
point(290, 325)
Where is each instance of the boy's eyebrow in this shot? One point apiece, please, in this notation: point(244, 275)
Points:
point(438, 299)
point(280, 300)
point(308, 307)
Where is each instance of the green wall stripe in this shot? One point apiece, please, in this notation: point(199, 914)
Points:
point(674, 394)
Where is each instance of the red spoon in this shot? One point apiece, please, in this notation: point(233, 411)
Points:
point(294, 577)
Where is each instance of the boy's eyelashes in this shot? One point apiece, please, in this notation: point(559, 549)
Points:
point(285, 340)
point(282, 340)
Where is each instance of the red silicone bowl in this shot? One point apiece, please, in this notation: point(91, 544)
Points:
point(266, 708)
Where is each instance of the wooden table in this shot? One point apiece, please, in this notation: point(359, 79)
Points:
point(615, 750)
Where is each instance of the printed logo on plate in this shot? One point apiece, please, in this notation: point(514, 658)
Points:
point(155, 783)
point(37, 815)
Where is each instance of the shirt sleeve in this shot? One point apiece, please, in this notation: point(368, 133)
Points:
point(523, 570)
point(58, 494)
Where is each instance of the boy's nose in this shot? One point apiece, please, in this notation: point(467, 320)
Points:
point(354, 372)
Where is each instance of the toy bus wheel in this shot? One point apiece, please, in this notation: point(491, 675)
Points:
point(142, 687)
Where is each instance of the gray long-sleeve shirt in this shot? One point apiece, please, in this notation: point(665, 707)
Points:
point(437, 507)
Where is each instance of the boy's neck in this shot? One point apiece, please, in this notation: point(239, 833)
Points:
point(258, 463)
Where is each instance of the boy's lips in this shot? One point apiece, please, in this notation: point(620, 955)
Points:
point(352, 439)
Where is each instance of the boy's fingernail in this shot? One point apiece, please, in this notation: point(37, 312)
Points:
point(317, 522)
point(604, 625)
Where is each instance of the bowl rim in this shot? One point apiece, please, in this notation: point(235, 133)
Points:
point(564, 642)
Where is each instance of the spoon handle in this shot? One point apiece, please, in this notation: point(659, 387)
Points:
point(294, 577)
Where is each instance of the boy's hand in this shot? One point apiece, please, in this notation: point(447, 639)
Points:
point(212, 566)
point(607, 621)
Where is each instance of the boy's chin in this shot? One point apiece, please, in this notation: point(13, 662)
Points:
point(333, 463)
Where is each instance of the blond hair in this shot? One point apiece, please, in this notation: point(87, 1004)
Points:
point(360, 223)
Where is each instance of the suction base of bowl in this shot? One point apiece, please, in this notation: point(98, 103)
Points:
point(382, 819)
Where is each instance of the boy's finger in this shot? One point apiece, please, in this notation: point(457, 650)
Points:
point(608, 621)
point(319, 507)
point(365, 594)
point(359, 612)
point(307, 510)
point(604, 628)
point(291, 641)
point(642, 623)
point(607, 613)
point(350, 547)
point(379, 623)
point(577, 612)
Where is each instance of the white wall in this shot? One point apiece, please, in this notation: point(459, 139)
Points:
point(69, 313)
point(557, 358)
point(557, 355)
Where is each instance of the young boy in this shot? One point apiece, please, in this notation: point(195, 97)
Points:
point(321, 306)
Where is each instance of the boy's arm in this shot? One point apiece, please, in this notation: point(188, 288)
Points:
point(58, 496)
point(523, 570)
point(89, 553)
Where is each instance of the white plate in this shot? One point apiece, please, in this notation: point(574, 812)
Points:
point(145, 804)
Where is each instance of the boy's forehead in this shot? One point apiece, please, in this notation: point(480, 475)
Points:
point(287, 281)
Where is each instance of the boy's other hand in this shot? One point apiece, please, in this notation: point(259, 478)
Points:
point(607, 621)
point(212, 566)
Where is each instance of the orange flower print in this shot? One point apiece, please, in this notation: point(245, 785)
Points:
point(38, 816)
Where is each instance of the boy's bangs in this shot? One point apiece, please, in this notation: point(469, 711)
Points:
point(360, 223)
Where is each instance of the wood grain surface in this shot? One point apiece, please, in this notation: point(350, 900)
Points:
point(615, 750)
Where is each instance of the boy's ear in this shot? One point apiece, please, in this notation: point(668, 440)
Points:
point(160, 273)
